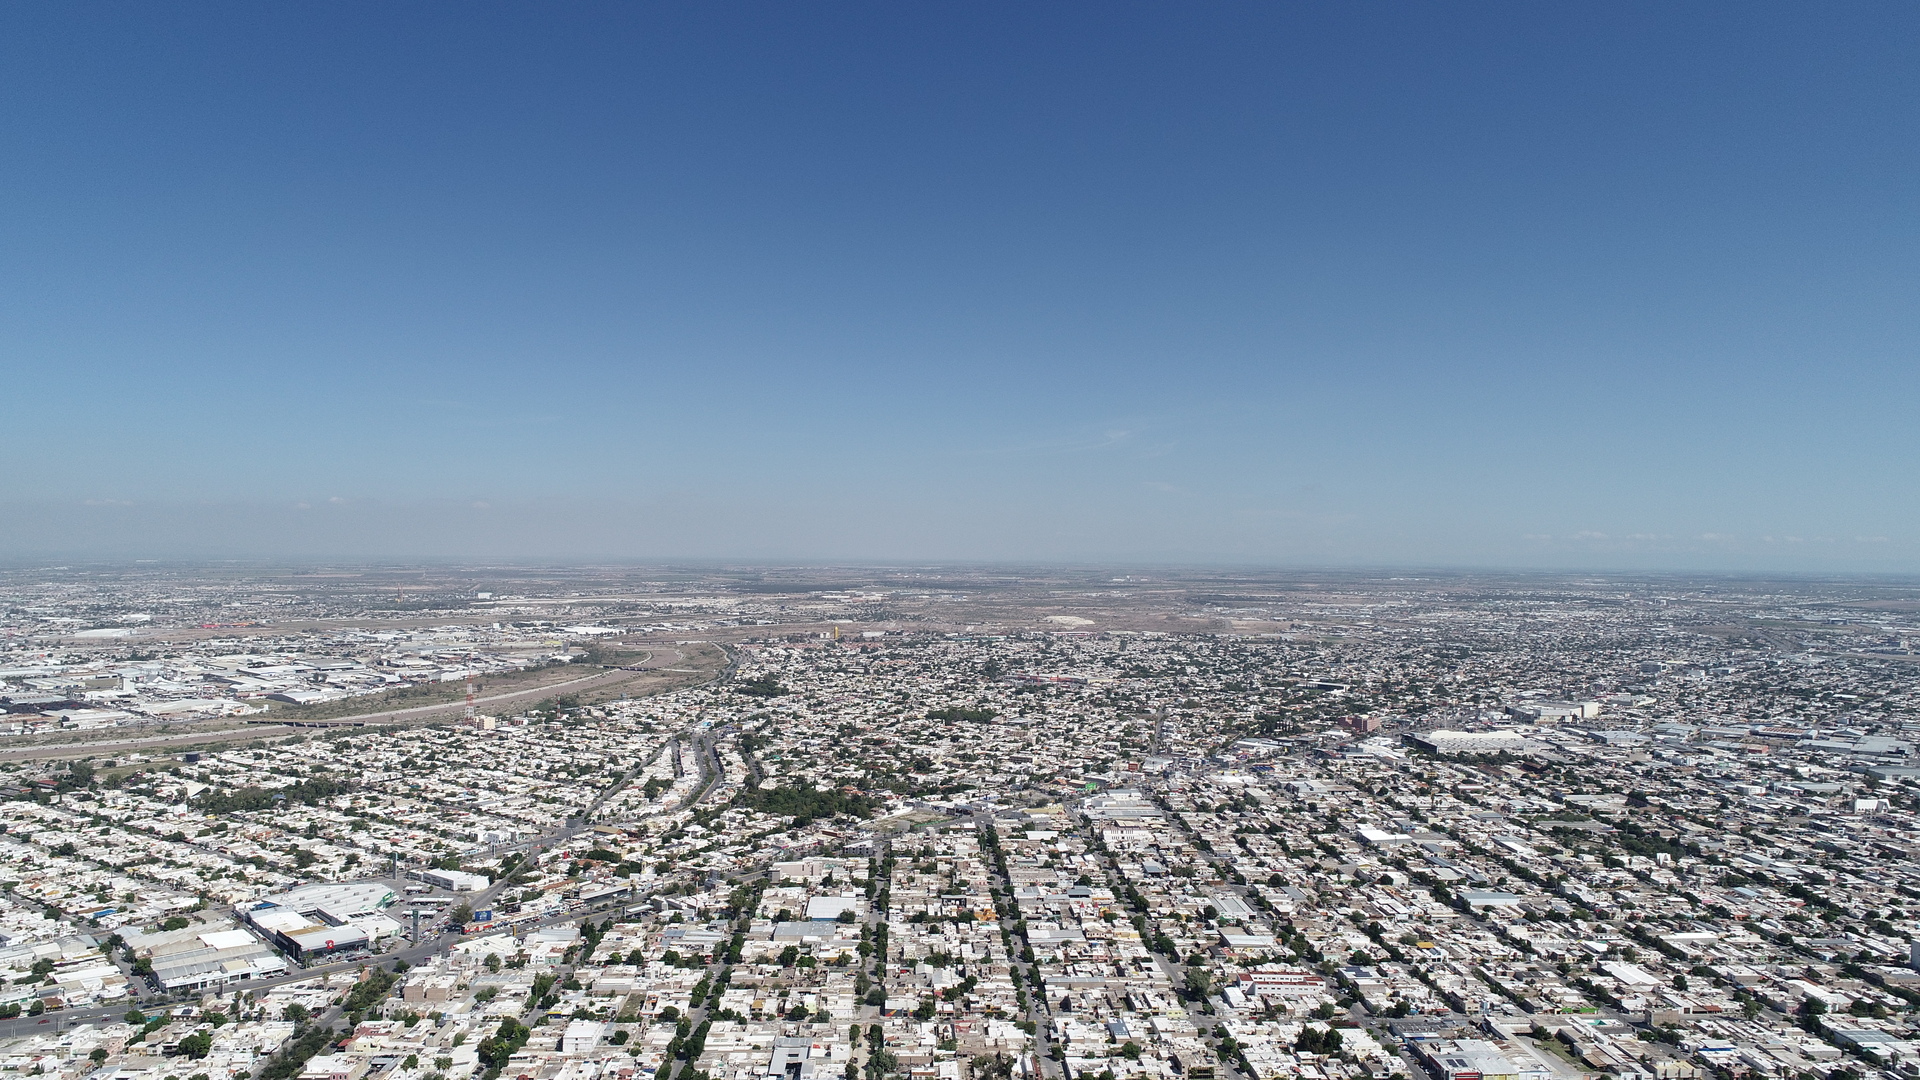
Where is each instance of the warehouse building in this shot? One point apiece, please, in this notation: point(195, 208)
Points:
point(318, 920)
point(210, 960)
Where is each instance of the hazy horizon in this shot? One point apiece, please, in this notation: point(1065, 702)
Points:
point(278, 537)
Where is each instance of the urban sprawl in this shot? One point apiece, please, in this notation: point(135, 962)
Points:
point(955, 825)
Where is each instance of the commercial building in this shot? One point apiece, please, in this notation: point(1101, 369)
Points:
point(832, 907)
point(316, 920)
point(455, 880)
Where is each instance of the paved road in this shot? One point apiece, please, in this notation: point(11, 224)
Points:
point(654, 662)
point(156, 1002)
point(534, 693)
point(1197, 1011)
point(66, 750)
point(159, 1003)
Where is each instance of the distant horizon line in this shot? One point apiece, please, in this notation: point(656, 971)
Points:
point(55, 563)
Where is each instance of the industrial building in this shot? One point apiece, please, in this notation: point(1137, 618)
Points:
point(1468, 1059)
point(317, 920)
point(202, 959)
point(1473, 742)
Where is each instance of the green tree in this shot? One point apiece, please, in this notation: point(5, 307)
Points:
point(764, 686)
point(495, 1049)
point(1199, 982)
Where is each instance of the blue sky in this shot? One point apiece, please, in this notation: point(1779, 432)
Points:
point(1414, 284)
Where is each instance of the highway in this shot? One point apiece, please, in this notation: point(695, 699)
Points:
point(255, 730)
point(536, 693)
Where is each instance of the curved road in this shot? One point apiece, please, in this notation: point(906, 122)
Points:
point(156, 1002)
point(709, 761)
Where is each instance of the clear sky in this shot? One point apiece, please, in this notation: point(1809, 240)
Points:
point(1541, 284)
